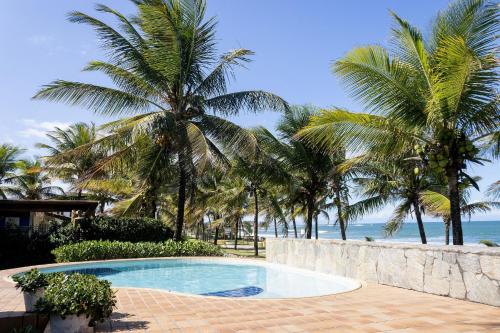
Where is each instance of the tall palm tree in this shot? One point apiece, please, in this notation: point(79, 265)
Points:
point(32, 183)
point(209, 187)
point(60, 161)
point(232, 201)
point(437, 204)
point(340, 175)
point(439, 93)
point(9, 162)
point(272, 208)
point(257, 173)
point(308, 166)
point(395, 182)
point(168, 78)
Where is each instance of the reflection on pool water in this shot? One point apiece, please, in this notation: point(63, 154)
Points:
point(213, 277)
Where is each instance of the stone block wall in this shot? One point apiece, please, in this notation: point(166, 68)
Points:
point(463, 272)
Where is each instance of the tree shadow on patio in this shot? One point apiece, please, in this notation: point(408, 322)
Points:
point(488, 326)
point(121, 322)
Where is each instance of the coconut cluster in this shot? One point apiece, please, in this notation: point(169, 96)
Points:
point(437, 156)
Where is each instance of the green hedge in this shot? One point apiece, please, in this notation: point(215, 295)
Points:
point(110, 228)
point(103, 250)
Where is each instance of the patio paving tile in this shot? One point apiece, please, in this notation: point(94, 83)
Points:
point(373, 308)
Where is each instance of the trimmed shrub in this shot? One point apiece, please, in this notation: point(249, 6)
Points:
point(78, 294)
point(110, 228)
point(103, 250)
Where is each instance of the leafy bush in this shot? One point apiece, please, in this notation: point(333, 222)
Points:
point(31, 281)
point(22, 248)
point(78, 294)
point(488, 243)
point(102, 250)
point(109, 228)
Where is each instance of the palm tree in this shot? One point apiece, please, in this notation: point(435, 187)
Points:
point(232, 201)
point(209, 188)
point(168, 78)
point(272, 208)
point(437, 203)
point(494, 190)
point(9, 162)
point(306, 166)
point(257, 173)
point(438, 93)
point(108, 190)
point(340, 175)
point(72, 168)
point(32, 183)
point(395, 182)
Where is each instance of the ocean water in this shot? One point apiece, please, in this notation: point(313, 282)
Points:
point(473, 232)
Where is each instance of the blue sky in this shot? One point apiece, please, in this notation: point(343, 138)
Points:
point(294, 41)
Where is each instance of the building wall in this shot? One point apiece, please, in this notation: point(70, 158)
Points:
point(463, 272)
point(22, 219)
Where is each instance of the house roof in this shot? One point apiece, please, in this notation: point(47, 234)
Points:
point(47, 205)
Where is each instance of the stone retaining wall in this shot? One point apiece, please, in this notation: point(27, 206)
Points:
point(470, 273)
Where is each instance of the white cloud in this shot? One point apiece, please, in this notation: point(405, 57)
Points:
point(40, 39)
point(40, 129)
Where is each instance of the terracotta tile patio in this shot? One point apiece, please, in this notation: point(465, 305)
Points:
point(373, 308)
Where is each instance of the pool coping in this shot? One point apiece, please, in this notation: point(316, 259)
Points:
point(258, 262)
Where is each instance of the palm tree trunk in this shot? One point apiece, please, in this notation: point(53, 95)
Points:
point(310, 212)
point(316, 227)
point(338, 203)
point(236, 234)
point(446, 221)
point(154, 208)
point(454, 195)
point(181, 198)
point(293, 222)
point(202, 229)
point(275, 229)
point(420, 223)
point(256, 223)
point(216, 236)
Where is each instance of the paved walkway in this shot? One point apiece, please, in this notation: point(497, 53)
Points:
point(373, 308)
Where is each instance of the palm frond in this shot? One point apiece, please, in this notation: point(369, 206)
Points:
point(253, 101)
point(102, 100)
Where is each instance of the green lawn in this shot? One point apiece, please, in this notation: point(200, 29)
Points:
point(244, 253)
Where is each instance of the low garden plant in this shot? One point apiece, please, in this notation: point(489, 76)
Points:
point(103, 250)
point(31, 281)
point(78, 294)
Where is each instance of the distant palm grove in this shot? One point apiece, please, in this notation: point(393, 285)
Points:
point(170, 151)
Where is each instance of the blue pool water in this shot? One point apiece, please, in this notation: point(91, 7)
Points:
point(214, 277)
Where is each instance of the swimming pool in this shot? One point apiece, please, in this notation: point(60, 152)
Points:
point(214, 277)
